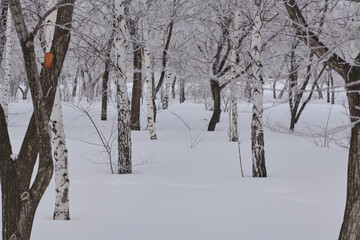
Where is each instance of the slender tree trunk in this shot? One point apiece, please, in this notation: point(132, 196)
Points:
point(137, 79)
point(234, 136)
point(173, 95)
point(154, 93)
point(332, 88)
point(6, 94)
point(122, 99)
point(215, 91)
point(293, 84)
point(328, 89)
point(257, 132)
point(149, 85)
point(104, 92)
point(165, 100)
point(274, 89)
point(182, 90)
point(233, 121)
point(105, 80)
point(62, 181)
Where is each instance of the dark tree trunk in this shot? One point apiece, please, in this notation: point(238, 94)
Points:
point(215, 91)
point(350, 229)
point(332, 89)
point(164, 57)
point(10, 200)
point(328, 89)
point(182, 90)
point(105, 80)
point(137, 81)
point(154, 97)
point(274, 89)
point(173, 95)
point(104, 92)
point(9, 192)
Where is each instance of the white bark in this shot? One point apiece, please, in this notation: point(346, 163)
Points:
point(354, 24)
point(149, 88)
point(6, 94)
point(233, 114)
point(62, 182)
point(122, 99)
point(165, 102)
point(257, 132)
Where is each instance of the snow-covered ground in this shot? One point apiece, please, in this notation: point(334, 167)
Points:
point(188, 186)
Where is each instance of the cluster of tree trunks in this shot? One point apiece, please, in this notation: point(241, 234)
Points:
point(19, 198)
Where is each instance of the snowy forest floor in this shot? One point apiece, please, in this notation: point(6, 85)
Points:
point(188, 186)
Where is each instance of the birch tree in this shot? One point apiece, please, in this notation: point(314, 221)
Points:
point(3, 23)
point(165, 100)
point(6, 93)
point(62, 182)
point(257, 131)
point(148, 78)
point(122, 99)
point(233, 114)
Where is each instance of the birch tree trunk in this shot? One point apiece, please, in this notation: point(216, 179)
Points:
point(257, 132)
point(4, 4)
point(6, 94)
point(122, 99)
point(165, 102)
point(233, 114)
point(62, 182)
point(148, 80)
